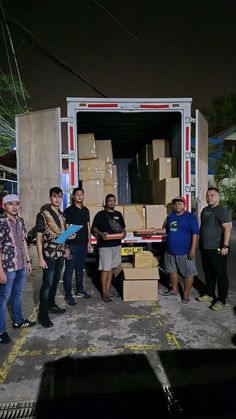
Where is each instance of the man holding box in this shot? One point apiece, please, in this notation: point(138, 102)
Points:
point(109, 228)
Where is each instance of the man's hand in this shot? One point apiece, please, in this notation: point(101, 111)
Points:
point(42, 264)
point(191, 254)
point(3, 278)
point(103, 235)
point(67, 253)
point(90, 248)
point(29, 268)
point(72, 236)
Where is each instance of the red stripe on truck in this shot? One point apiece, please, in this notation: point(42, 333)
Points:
point(187, 206)
point(187, 172)
point(71, 139)
point(154, 106)
point(187, 142)
point(72, 173)
point(102, 105)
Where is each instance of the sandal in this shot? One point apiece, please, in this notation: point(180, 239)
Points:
point(186, 300)
point(107, 299)
point(169, 293)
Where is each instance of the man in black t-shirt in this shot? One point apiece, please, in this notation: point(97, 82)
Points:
point(79, 247)
point(215, 233)
point(108, 221)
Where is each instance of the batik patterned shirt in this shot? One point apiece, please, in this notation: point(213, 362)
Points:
point(12, 236)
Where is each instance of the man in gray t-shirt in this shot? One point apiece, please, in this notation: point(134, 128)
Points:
point(215, 233)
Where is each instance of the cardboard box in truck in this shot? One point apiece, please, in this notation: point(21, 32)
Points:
point(93, 192)
point(91, 169)
point(166, 190)
point(86, 146)
point(104, 150)
point(164, 167)
point(134, 216)
point(155, 216)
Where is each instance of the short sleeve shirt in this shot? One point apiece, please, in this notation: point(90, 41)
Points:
point(101, 222)
point(78, 216)
point(211, 231)
point(180, 229)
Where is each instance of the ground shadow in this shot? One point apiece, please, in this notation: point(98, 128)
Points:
point(202, 382)
point(102, 387)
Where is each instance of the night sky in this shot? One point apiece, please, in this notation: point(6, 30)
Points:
point(133, 48)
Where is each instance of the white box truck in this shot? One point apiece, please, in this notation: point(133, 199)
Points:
point(129, 123)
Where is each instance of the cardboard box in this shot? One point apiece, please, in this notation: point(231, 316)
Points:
point(140, 290)
point(93, 191)
point(158, 148)
point(155, 216)
point(104, 150)
point(108, 172)
point(131, 273)
point(164, 167)
point(134, 216)
point(114, 174)
point(86, 146)
point(143, 259)
point(91, 169)
point(166, 190)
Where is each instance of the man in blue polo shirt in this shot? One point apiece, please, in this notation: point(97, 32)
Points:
point(182, 232)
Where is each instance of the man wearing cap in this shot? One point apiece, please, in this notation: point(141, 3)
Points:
point(182, 232)
point(15, 263)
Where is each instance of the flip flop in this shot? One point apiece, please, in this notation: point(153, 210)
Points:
point(169, 293)
point(186, 300)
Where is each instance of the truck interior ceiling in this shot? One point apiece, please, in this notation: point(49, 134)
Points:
point(131, 130)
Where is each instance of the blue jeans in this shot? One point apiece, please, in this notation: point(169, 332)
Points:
point(51, 278)
point(12, 291)
point(78, 253)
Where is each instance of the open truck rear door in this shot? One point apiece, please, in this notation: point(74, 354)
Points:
point(38, 142)
point(201, 162)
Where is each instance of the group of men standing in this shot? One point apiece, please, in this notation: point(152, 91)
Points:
point(15, 262)
point(182, 232)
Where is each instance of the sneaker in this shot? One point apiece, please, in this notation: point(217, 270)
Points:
point(218, 306)
point(55, 309)
point(83, 294)
point(25, 323)
point(4, 338)
point(204, 298)
point(71, 301)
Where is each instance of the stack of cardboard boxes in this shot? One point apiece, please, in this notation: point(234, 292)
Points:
point(157, 174)
point(99, 178)
point(140, 279)
point(96, 171)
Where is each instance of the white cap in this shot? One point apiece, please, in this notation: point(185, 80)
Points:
point(10, 198)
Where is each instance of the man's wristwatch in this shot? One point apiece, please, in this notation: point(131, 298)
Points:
point(29, 261)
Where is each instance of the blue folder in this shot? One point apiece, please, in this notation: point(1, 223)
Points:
point(70, 230)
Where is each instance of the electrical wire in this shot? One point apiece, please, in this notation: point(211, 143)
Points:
point(37, 43)
point(15, 59)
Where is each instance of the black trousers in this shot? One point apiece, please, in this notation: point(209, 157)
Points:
point(215, 270)
point(51, 277)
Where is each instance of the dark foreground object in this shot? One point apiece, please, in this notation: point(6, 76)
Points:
point(109, 387)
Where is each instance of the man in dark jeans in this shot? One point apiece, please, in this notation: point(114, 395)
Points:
point(78, 247)
point(50, 223)
point(215, 233)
